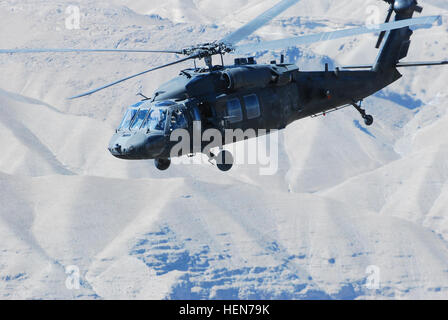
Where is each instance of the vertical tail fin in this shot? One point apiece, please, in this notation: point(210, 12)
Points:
point(396, 46)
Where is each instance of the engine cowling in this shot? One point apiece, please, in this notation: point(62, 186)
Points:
point(247, 77)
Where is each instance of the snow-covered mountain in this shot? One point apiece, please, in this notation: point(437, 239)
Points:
point(345, 198)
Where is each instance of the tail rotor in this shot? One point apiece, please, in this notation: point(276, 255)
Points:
point(399, 7)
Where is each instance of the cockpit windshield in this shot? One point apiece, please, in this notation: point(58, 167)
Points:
point(141, 116)
point(126, 122)
point(156, 120)
point(148, 116)
point(129, 116)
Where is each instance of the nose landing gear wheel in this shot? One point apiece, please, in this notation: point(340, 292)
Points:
point(162, 164)
point(224, 161)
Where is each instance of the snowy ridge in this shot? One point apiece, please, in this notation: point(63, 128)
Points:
point(345, 197)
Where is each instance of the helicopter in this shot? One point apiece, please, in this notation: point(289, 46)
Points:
point(248, 95)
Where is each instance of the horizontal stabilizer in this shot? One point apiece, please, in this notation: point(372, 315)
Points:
point(422, 64)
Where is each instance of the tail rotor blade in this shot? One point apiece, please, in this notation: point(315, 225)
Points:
point(325, 36)
point(389, 14)
point(383, 33)
point(131, 77)
point(380, 39)
point(419, 9)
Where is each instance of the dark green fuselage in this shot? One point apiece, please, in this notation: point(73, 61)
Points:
point(284, 94)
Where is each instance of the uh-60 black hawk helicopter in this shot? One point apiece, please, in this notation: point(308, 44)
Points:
point(251, 96)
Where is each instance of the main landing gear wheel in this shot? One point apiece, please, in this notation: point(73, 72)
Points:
point(368, 119)
point(224, 161)
point(162, 164)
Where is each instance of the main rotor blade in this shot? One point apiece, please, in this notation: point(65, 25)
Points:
point(403, 64)
point(325, 36)
point(86, 50)
point(133, 76)
point(258, 22)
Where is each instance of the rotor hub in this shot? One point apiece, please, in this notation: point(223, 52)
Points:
point(207, 49)
point(404, 5)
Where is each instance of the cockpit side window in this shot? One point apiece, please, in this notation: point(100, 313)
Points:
point(128, 117)
point(178, 121)
point(156, 120)
point(138, 120)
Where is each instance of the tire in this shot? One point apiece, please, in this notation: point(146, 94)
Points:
point(162, 164)
point(224, 161)
point(368, 120)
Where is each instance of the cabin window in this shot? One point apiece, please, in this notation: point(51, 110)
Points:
point(141, 115)
point(252, 106)
point(234, 111)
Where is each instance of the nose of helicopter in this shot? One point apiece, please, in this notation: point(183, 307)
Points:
point(138, 146)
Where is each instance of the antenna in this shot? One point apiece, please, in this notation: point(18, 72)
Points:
point(143, 96)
